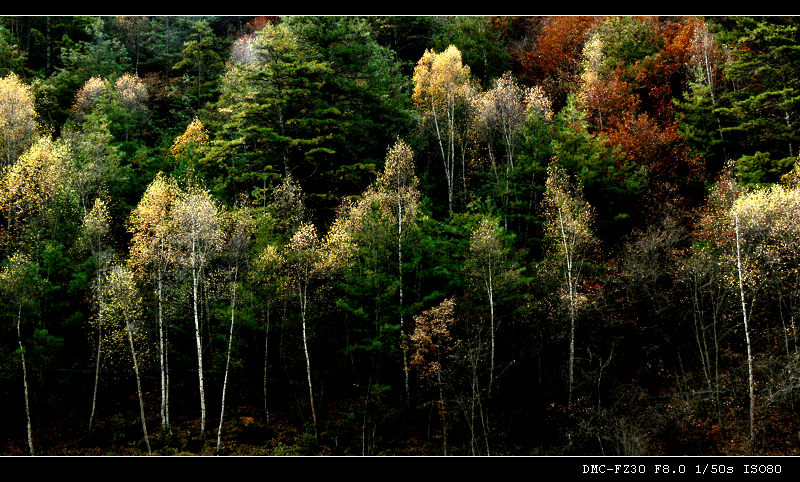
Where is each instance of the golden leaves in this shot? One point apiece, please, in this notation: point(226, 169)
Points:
point(150, 224)
point(37, 176)
point(569, 217)
point(18, 126)
point(432, 337)
point(194, 136)
point(439, 78)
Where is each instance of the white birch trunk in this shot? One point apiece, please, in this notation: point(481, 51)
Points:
point(96, 375)
point(24, 380)
point(746, 328)
point(303, 304)
point(199, 346)
point(568, 261)
point(227, 361)
point(400, 271)
point(138, 388)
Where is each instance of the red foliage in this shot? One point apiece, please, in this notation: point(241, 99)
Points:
point(605, 103)
point(260, 22)
point(554, 59)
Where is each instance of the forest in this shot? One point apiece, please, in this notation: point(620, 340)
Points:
point(399, 235)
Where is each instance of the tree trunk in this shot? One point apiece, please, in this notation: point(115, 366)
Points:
point(227, 361)
point(96, 375)
point(746, 328)
point(442, 412)
point(138, 388)
point(24, 379)
point(161, 354)
point(400, 271)
point(568, 262)
point(303, 304)
point(266, 360)
point(490, 292)
point(199, 346)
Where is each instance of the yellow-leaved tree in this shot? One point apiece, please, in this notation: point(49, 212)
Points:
point(442, 89)
point(153, 256)
point(18, 126)
point(568, 230)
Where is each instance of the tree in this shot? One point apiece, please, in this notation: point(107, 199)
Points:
point(18, 124)
point(568, 229)
point(491, 269)
point(399, 184)
point(21, 285)
point(120, 303)
point(501, 112)
point(268, 273)
point(201, 59)
point(429, 345)
point(153, 254)
point(198, 236)
point(31, 183)
point(442, 86)
point(96, 236)
point(271, 117)
point(236, 247)
point(757, 229)
point(758, 113)
point(303, 262)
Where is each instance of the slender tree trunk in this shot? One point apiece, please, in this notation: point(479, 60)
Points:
point(96, 374)
point(442, 412)
point(199, 346)
point(400, 271)
point(138, 388)
point(266, 360)
point(568, 261)
point(303, 304)
point(166, 379)
point(746, 328)
point(24, 380)
point(227, 360)
point(445, 160)
point(490, 292)
point(161, 354)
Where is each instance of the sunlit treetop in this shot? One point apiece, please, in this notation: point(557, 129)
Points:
point(194, 136)
point(439, 78)
point(18, 124)
point(40, 173)
point(89, 94)
point(131, 91)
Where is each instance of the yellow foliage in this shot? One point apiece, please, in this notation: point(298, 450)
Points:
point(18, 126)
point(195, 135)
point(40, 173)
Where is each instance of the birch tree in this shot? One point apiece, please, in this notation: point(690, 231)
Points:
point(303, 255)
point(441, 87)
point(568, 229)
point(400, 185)
point(18, 124)
point(236, 249)
point(268, 274)
point(96, 237)
point(21, 285)
point(489, 267)
point(500, 113)
point(121, 305)
point(198, 236)
point(758, 230)
point(153, 255)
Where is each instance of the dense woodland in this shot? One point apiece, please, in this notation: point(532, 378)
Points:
point(399, 235)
